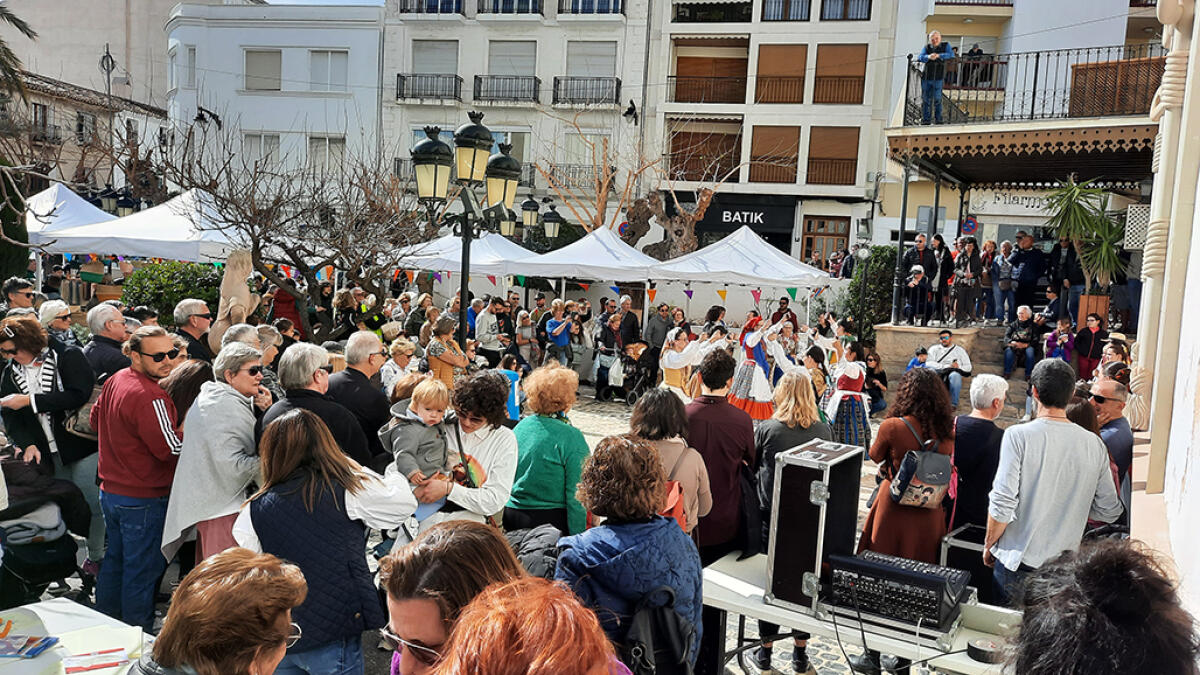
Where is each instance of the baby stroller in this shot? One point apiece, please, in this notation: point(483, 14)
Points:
point(628, 375)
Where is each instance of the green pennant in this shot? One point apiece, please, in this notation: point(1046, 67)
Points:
point(520, 280)
point(792, 293)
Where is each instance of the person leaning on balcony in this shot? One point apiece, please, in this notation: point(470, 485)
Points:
point(934, 56)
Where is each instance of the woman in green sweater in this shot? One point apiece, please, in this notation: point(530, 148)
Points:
point(550, 454)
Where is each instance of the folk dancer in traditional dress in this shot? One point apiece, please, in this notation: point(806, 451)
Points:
point(678, 358)
point(751, 390)
point(848, 408)
point(788, 342)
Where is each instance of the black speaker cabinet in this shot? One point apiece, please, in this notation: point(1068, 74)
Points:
point(814, 514)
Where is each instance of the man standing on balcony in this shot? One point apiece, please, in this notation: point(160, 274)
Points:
point(934, 56)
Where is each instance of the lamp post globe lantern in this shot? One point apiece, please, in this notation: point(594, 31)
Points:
point(553, 221)
point(503, 172)
point(472, 148)
point(529, 212)
point(108, 199)
point(126, 204)
point(508, 223)
point(432, 159)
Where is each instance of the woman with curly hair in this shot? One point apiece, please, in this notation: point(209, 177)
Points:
point(612, 567)
point(550, 454)
point(891, 528)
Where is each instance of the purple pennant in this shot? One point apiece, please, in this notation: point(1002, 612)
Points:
point(437, 275)
point(688, 293)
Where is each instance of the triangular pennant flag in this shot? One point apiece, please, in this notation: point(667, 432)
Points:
point(791, 293)
point(688, 293)
point(757, 294)
point(722, 293)
point(492, 278)
point(650, 293)
point(329, 271)
point(410, 274)
point(438, 275)
point(520, 280)
point(447, 277)
point(615, 290)
point(395, 275)
point(287, 271)
point(584, 286)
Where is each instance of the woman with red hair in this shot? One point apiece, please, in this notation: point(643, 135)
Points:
point(751, 390)
point(528, 626)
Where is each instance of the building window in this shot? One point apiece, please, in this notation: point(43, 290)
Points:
point(264, 147)
point(841, 74)
point(131, 133)
point(825, 234)
point(41, 115)
point(328, 70)
point(774, 154)
point(786, 10)
point(845, 10)
point(832, 156)
point(326, 153)
point(435, 57)
point(263, 68)
point(85, 128)
point(172, 67)
point(189, 73)
point(781, 71)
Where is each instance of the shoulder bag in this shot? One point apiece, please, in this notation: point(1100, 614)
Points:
point(924, 476)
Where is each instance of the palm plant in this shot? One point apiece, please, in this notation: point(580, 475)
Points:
point(10, 64)
point(1079, 212)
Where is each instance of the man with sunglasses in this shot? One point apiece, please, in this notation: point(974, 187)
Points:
point(951, 362)
point(1108, 398)
point(17, 293)
point(135, 422)
point(353, 388)
point(192, 320)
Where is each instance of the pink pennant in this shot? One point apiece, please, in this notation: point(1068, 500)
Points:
point(492, 278)
point(757, 295)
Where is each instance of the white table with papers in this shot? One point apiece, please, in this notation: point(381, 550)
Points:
point(80, 630)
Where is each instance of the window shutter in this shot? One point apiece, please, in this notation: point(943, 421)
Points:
point(263, 69)
point(782, 60)
point(775, 141)
point(591, 59)
point(833, 143)
point(339, 70)
point(435, 57)
point(510, 57)
point(841, 60)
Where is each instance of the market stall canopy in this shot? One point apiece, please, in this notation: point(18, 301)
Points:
point(59, 208)
point(599, 255)
point(745, 258)
point(490, 254)
point(183, 228)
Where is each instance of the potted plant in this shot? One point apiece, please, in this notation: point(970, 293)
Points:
point(1079, 212)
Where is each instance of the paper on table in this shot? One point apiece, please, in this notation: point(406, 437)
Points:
point(100, 638)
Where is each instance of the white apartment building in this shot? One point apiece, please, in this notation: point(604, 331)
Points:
point(552, 78)
point(298, 83)
point(783, 104)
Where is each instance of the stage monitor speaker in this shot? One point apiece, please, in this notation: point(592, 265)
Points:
point(814, 514)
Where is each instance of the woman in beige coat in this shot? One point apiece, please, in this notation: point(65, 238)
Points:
point(659, 417)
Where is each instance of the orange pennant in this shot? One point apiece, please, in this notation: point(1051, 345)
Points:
point(651, 293)
point(410, 274)
point(722, 293)
point(584, 286)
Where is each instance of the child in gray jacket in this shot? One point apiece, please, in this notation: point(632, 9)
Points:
point(417, 436)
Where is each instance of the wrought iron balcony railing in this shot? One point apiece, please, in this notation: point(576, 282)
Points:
point(507, 88)
point(420, 85)
point(587, 90)
point(688, 89)
point(594, 7)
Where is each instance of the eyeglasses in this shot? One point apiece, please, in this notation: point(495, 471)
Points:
point(384, 353)
point(293, 636)
point(426, 655)
point(254, 370)
point(158, 358)
point(328, 369)
point(62, 317)
point(470, 419)
point(1098, 398)
point(28, 294)
point(8, 352)
point(943, 337)
point(208, 316)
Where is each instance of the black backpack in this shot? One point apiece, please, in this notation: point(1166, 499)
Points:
point(659, 640)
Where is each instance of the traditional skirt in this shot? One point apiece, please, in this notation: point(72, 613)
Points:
point(680, 382)
point(751, 391)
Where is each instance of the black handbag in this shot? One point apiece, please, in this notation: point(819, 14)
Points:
point(749, 537)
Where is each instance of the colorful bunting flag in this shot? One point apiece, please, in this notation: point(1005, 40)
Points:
point(688, 293)
point(650, 293)
point(438, 275)
point(520, 280)
point(396, 275)
point(723, 292)
point(615, 290)
point(329, 271)
point(584, 286)
point(492, 278)
point(791, 293)
point(411, 275)
point(757, 294)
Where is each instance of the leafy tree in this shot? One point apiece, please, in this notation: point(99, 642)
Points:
point(870, 292)
point(14, 259)
point(1078, 211)
point(162, 285)
point(10, 65)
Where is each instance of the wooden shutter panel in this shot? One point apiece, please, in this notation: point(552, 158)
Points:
point(695, 66)
point(775, 141)
point(782, 60)
point(833, 143)
point(841, 60)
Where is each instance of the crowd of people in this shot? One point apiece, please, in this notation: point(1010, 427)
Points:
point(505, 543)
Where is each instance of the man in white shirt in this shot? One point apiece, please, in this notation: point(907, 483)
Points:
point(492, 341)
point(950, 361)
point(1053, 476)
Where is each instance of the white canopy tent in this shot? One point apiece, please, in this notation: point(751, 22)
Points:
point(183, 228)
point(58, 208)
point(490, 254)
point(744, 258)
point(602, 254)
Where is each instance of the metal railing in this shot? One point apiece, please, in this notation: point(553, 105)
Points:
point(402, 168)
point(419, 85)
point(779, 89)
point(510, 7)
point(831, 171)
point(838, 89)
point(430, 6)
point(733, 12)
point(586, 90)
point(773, 169)
point(507, 88)
point(706, 89)
point(580, 175)
point(1065, 83)
point(1143, 3)
point(693, 167)
point(46, 133)
point(585, 7)
point(986, 3)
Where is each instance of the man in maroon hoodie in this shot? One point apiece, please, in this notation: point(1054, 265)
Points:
point(139, 445)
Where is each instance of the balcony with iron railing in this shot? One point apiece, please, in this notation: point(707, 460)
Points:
point(430, 7)
point(1112, 81)
point(838, 89)
point(698, 167)
point(587, 90)
point(708, 12)
point(779, 89)
point(402, 168)
point(831, 171)
point(421, 85)
point(583, 176)
point(514, 7)
point(46, 133)
point(773, 169)
point(1143, 3)
point(687, 89)
point(511, 88)
point(985, 3)
point(591, 7)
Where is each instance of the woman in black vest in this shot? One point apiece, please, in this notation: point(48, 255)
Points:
point(313, 509)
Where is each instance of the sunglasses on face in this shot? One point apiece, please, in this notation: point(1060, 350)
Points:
point(28, 294)
point(254, 371)
point(425, 655)
point(62, 317)
point(158, 357)
point(1098, 398)
point(328, 369)
point(8, 352)
point(208, 316)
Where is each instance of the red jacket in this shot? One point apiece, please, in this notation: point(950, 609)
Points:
point(139, 438)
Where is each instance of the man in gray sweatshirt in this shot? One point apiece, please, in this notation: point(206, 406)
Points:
point(1053, 476)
